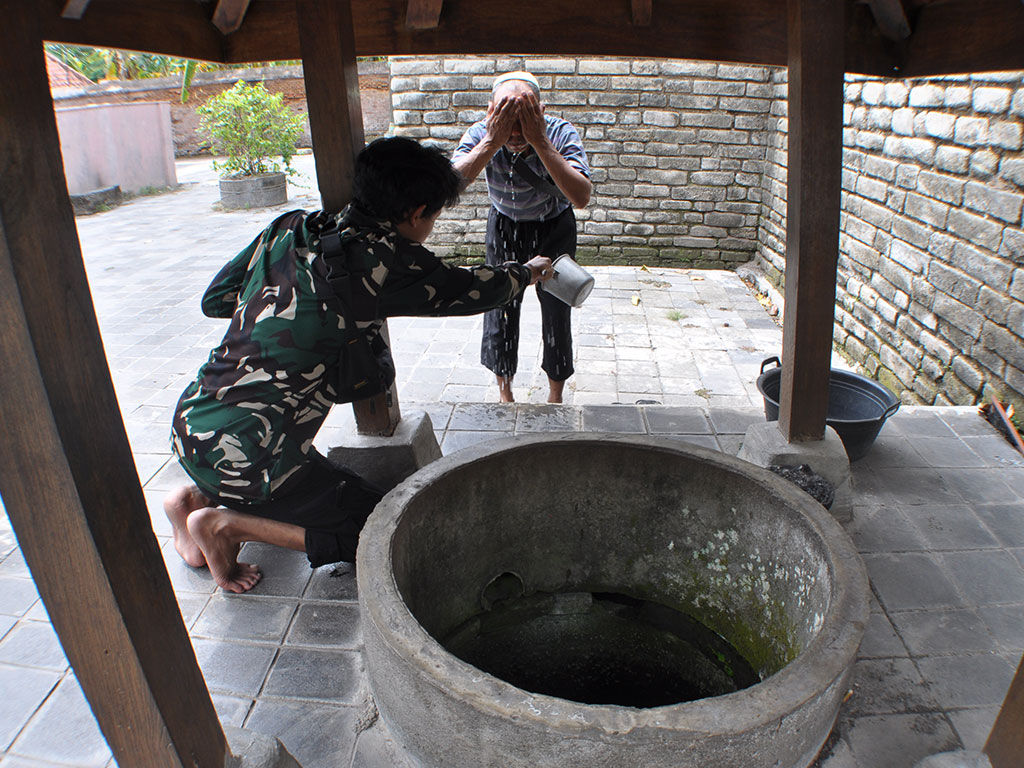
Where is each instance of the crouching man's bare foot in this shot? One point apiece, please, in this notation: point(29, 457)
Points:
point(178, 506)
point(216, 532)
point(219, 532)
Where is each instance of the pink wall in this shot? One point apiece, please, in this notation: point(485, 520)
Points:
point(129, 145)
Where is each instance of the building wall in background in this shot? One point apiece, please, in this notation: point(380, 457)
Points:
point(930, 295)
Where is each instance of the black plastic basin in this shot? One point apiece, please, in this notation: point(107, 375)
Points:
point(857, 406)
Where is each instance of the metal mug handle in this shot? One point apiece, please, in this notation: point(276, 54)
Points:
point(773, 359)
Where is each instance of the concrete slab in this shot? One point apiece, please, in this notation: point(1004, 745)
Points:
point(255, 750)
point(387, 461)
point(764, 445)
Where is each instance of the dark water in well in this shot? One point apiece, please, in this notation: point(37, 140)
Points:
point(600, 648)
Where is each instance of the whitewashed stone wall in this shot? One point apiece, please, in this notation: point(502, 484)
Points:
point(930, 298)
point(676, 149)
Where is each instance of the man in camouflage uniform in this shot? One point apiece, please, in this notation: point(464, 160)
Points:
point(244, 429)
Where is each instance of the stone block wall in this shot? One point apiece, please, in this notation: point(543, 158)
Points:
point(930, 293)
point(676, 150)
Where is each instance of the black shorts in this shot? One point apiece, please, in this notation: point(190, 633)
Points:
point(331, 503)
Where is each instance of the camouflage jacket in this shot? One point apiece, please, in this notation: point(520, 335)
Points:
point(246, 424)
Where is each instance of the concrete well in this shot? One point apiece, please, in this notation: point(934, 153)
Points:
point(564, 531)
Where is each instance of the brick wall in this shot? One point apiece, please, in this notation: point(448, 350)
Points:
point(676, 149)
point(930, 292)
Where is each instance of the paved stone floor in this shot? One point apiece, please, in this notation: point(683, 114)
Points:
point(938, 516)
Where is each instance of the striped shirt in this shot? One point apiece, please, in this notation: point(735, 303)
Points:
point(512, 195)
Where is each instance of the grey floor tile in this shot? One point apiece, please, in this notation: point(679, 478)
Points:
point(974, 725)
point(191, 604)
point(919, 423)
point(908, 485)
point(33, 644)
point(943, 632)
point(302, 673)
point(704, 441)
point(986, 577)
point(183, 577)
point(244, 617)
point(457, 440)
point(899, 741)
point(995, 451)
point(64, 730)
point(880, 639)
point(14, 566)
point(619, 419)
point(981, 486)
point(376, 749)
point(951, 527)
point(326, 624)
point(910, 580)
point(734, 420)
point(318, 736)
point(24, 692)
point(1005, 521)
point(233, 668)
point(231, 710)
point(6, 623)
point(947, 452)
point(1006, 625)
point(890, 451)
point(883, 529)
point(17, 596)
point(284, 572)
point(888, 686)
point(483, 417)
point(677, 420)
point(547, 418)
point(967, 681)
point(333, 582)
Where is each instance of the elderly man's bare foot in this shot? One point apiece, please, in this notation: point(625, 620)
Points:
point(217, 532)
point(178, 506)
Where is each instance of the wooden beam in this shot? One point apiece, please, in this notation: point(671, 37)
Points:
point(989, 37)
point(67, 475)
point(641, 13)
point(336, 127)
point(169, 27)
point(816, 31)
point(1005, 743)
point(988, 32)
point(423, 14)
point(73, 9)
point(228, 15)
point(891, 18)
point(751, 31)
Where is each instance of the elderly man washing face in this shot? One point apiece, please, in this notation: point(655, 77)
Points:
point(536, 172)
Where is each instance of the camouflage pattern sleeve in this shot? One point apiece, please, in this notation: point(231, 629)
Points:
point(221, 296)
point(419, 283)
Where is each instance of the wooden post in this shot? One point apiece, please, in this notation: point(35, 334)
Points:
point(336, 126)
point(67, 475)
point(1005, 744)
point(816, 31)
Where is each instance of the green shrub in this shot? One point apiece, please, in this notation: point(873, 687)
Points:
point(251, 127)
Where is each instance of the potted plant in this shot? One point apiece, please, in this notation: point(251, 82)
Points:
point(251, 127)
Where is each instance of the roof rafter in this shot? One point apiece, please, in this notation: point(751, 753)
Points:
point(228, 15)
point(423, 14)
point(641, 13)
point(891, 17)
point(73, 9)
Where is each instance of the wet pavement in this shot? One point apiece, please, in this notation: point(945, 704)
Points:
point(938, 508)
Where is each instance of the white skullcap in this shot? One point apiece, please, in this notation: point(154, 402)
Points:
point(526, 77)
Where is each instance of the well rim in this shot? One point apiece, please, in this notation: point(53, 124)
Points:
point(826, 659)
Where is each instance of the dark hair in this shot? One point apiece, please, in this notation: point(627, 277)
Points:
point(395, 175)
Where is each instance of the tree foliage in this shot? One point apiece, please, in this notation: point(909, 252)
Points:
point(251, 127)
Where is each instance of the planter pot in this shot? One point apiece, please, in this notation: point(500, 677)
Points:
point(261, 191)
